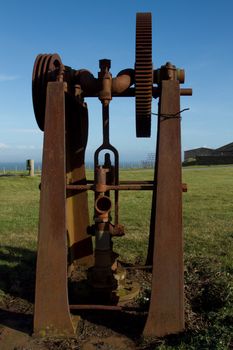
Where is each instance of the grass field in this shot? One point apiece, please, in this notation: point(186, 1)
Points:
point(208, 237)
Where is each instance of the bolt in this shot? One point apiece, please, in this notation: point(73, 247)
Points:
point(104, 63)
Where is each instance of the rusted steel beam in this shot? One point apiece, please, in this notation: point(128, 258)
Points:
point(129, 182)
point(132, 182)
point(105, 307)
point(52, 314)
point(133, 187)
point(111, 187)
point(129, 187)
point(186, 92)
point(166, 311)
point(130, 92)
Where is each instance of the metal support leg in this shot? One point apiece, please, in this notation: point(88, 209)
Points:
point(166, 311)
point(52, 316)
point(80, 243)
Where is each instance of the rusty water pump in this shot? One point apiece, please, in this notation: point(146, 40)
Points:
point(65, 233)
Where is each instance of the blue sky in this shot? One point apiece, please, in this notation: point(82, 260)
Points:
point(194, 35)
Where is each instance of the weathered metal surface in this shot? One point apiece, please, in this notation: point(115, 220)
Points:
point(51, 300)
point(130, 92)
point(106, 146)
point(166, 311)
point(46, 68)
point(129, 187)
point(80, 243)
point(102, 277)
point(143, 74)
point(105, 307)
point(58, 99)
point(169, 72)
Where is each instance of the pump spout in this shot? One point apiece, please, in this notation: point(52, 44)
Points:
point(123, 81)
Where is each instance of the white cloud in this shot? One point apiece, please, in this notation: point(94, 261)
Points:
point(4, 77)
point(29, 131)
point(3, 146)
point(25, 147)
point(11, 147)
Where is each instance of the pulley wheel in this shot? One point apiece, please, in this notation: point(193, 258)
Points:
point(46, 68)
point(143, 74)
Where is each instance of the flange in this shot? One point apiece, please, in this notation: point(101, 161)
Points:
point(143, 74)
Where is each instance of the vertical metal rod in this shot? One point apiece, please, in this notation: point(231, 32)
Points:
point(106, 145)
point(108, 165)
point(116, 199)
point(105, 113)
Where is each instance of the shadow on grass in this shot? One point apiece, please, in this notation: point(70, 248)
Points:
point(17, 272)
point(17, 281)
point(208, 299)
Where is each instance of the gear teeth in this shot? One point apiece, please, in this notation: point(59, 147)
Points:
point(143, 74)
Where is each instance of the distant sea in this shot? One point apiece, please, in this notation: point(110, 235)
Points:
point(17, 166)
point(21, 166)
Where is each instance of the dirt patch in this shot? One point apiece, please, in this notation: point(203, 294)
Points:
point(103, 330)
point(109, 343)
point(113, 330)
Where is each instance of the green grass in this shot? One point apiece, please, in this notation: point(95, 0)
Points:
point(208, 248)
point(19, 204)
point(208, 213)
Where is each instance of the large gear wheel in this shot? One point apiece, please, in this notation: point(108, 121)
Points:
point(143, 74)
point(46, 68)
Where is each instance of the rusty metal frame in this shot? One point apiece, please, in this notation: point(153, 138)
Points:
point(64, 217)
point(166, 310)
point(51, 315)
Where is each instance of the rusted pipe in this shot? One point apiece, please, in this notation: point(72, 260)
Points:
point(103, 204)
point(105, 82)
point(100, 179)
point(91, 85)
point(87, 81)
point(105, 307)
point(130, 92)
point(124, 187)
point(123, 81)
point(129, 182)
point(186, 92)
